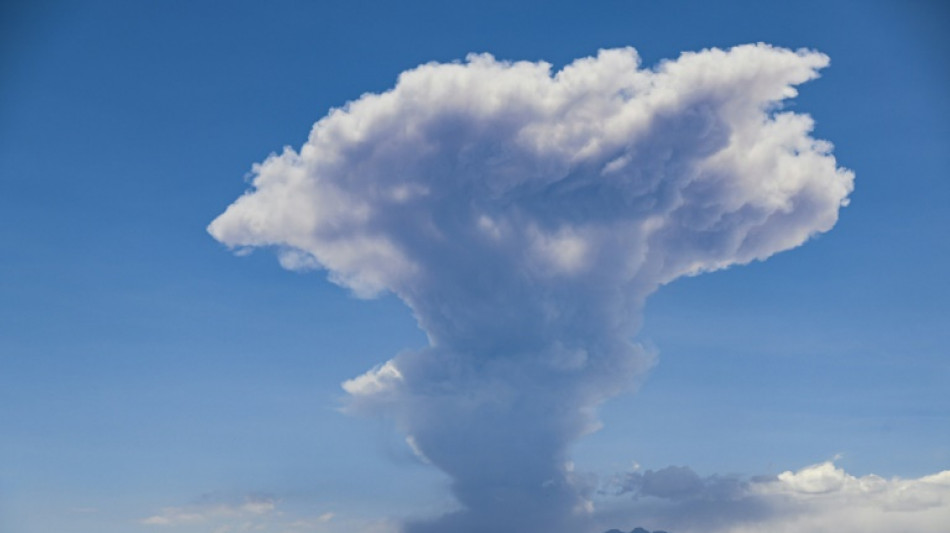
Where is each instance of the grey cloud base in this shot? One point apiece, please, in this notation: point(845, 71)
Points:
point(524, 216)
point(820, 498)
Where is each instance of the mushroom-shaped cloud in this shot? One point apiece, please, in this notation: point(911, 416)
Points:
point(524, 216)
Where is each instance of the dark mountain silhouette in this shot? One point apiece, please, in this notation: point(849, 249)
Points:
point(635, 530)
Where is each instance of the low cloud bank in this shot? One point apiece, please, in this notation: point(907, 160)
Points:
point(821, 498)
point(524, 216)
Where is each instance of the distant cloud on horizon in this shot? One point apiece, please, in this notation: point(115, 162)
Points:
point(256, 513)
point(205, 512)
point(821, 498)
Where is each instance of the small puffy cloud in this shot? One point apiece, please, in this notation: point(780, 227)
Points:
point(376, 381)
point(821, 498)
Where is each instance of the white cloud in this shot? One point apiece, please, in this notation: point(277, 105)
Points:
point(211, 512)
point(524, 216)
point(376, 381)
point(558, 163)
point(820, 498)
point(260, 514)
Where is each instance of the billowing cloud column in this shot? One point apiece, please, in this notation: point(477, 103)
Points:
point(524, 216)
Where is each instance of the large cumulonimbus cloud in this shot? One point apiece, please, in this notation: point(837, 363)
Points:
point(524, 216)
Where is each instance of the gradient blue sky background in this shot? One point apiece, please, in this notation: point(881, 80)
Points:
point(143, 366)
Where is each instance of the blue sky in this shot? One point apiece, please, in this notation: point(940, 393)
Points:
point(144, 367)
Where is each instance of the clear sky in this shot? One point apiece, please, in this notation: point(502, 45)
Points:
point(150, 380)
